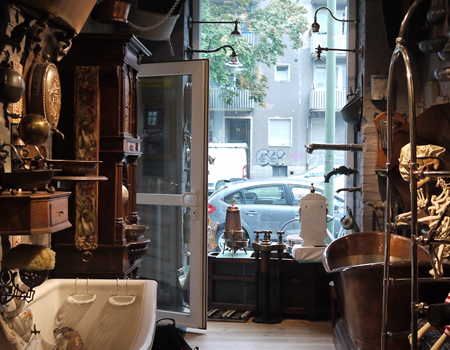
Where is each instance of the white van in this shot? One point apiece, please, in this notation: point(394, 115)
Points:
point(227, 162)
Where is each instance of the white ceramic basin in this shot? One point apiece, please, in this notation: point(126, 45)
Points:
point(92, 308)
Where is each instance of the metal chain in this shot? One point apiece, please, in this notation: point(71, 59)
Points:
point(156, 25)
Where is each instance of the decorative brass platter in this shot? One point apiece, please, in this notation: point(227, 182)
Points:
point(44, 92)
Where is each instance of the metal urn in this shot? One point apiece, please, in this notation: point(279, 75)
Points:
point(233, 232)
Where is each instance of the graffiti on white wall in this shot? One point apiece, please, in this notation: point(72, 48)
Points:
point(269, 157)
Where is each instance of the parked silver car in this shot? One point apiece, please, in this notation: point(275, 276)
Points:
point(266, 204)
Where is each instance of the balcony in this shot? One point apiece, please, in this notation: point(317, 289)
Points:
point(317, 100)
point(340, 42)
point(250, 37)
point(239, 102)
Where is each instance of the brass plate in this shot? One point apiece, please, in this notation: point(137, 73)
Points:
point(44, 92)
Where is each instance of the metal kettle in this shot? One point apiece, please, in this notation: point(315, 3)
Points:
point(34, 129)
point(12, 85)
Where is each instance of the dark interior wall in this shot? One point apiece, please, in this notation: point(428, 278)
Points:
point(377, 32)
point(160, 50)
point(377, 55)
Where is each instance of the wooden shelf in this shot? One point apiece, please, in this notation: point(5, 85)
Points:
point(79, 178)
point(36, 213)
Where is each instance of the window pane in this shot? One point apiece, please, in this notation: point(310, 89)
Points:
point(299, 192)
point(320, 78)
point(280, 132)
point(236, 196)
point(266, 195)
point(282, 72)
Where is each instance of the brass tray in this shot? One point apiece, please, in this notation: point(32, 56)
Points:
point(24, 179)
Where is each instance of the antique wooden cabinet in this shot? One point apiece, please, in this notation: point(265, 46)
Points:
point(30, 213)
point(98, 82)
point(304, 286)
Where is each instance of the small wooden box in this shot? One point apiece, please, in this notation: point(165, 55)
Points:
point(33, 213)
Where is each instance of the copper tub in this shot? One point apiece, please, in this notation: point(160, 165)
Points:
point(356, 263)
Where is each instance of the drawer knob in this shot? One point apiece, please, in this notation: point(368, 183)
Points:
point(60, 212)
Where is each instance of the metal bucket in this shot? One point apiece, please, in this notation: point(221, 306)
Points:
point(351, 112)
point(112, 11)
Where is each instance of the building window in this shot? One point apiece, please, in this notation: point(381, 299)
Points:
point(152, 119)
point(280, 131)
point(282, 72)
point(320, 77)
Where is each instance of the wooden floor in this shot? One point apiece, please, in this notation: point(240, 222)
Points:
point(290, 334)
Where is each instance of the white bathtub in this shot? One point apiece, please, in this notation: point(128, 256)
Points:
point(103, 323)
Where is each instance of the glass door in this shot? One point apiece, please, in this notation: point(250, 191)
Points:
point(172, 185)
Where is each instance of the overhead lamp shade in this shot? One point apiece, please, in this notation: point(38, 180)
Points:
point(234, 61)
point(315, 26)
point(236, 31)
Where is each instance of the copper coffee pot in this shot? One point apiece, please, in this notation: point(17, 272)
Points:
point(233, 232)
point(233, 227)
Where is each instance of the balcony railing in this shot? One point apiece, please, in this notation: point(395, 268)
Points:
point(250, 37)
point(317, 100)
point(239, 102)
point(340, 42)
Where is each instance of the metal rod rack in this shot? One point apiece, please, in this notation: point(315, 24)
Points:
point(401, 51)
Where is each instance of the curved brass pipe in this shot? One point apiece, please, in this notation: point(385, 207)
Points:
point(342, 170)
point(400, 50)
point(18, 158)
point(334, 147)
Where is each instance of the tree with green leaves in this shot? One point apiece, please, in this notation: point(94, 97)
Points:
point(271, 22)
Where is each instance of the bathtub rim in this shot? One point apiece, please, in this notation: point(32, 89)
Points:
point(376, 265)
point(423, 255)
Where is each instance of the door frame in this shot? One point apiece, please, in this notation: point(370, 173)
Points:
point(198, 195)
